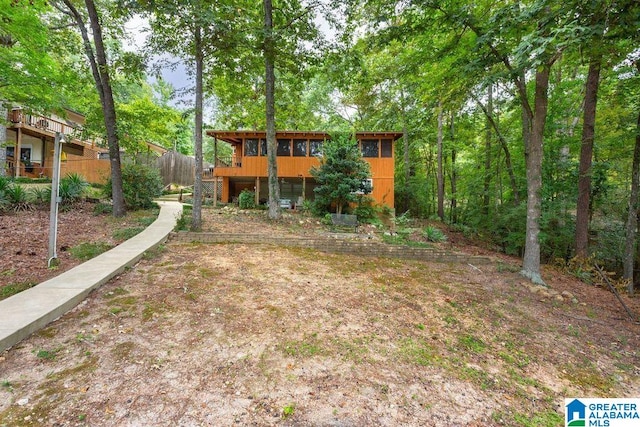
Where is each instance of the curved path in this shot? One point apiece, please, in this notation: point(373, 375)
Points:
point(30, 310)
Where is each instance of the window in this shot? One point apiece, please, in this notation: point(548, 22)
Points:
point(315, 147)
point(300, 147)
point(263, 147)
point(284, 147)
point(369, 148)
point(250, 147)
point(387, 148)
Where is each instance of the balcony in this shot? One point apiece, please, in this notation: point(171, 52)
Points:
point(36, 123)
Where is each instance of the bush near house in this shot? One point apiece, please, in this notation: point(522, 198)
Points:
point(140, 184)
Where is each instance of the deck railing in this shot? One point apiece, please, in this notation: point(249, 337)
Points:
point(42, 122)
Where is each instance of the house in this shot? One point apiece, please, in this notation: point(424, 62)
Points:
point(30, 140)
point(297, 153)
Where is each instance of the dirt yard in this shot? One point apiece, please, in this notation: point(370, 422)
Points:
point(234, 334)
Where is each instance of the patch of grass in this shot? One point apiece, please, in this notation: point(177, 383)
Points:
point(6, 384)
point(588, 376)
point(154, 252)
point(471, 343)
point(49, 332)
point(14, 288)
point(150, 310)
point(476, 376)
point(47, 354)
point(288, 410)
point(86, 251)
point(307, 347)
point(354, 349)
point(127, 233)
point(418, 352)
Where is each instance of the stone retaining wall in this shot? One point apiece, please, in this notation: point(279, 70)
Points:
point(334, 245)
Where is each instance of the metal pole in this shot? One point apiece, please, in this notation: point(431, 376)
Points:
point(55, 199)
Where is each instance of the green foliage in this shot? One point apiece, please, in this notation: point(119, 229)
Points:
point(140, 184)
point(366, 211)
point(127, 233)
point(40, 195)
point(102, 208)
point(18, 198)
point(86, 251)
point(341, 173)
point(247, 199)
point(434, 234)
point(183, 222)
point(14, 288)
point(72, 188)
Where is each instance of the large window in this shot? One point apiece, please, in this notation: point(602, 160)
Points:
point(315, 147)
point(250, 147)
point(369, 148)
point(300, 147)
point(284, 147)
point(387, 148)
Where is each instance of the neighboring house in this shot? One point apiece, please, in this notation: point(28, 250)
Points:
point(29, 146)
point(297, 153)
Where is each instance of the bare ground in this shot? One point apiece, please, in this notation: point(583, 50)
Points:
point(234, 334)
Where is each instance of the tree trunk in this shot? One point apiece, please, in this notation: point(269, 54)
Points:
point(533, 153)
point(632, 217)
point(440, 173)
point(272, 144)
point(454, 178)
point(3, 140)
point(100, 71)
point(586, 154)
point(505, 149)
point(405, 146)
point(487, 155)
point(196, 220)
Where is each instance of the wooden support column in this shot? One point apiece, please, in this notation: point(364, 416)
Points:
point(215, 189)
point(304, 188)
point(16, 154)
point(257, 190)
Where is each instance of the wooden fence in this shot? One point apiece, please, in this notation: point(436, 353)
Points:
point(176, 168)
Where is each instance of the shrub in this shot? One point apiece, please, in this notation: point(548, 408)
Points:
point(434, 234)
point(140, 184)
point(18, 198)
point(247, 199)
point(72, 187)
point(40, 195)
point(366, 211)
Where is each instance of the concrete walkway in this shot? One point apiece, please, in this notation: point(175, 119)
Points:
point(30, 310)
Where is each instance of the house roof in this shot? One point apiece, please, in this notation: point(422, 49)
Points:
point(236, 137)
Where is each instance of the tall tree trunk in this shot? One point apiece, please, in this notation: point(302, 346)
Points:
point(487, 155)
point(196, 220)
point(100, 72)
point(440, 173)
point(586, 154)
point(531, 260)
point(632, 216)
point(405, 157)
point(270, 79)
point(3, 139)
point(454, 178)
point(505, 148)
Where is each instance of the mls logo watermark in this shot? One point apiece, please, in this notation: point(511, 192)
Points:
point(602, 412)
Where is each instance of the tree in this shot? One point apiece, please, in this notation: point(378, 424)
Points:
point(100, 68)
point(272, 144)
point(199, 32)
point(341, 175)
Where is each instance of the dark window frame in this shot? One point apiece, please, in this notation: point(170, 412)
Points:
point(386, 148)
point(298, 153)
point(251, 147)
point(368, 149)
point(280, 152)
